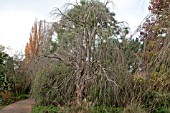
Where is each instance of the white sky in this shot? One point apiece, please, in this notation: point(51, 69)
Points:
point(18, 16)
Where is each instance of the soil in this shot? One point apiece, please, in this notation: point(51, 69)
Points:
point(23, 106)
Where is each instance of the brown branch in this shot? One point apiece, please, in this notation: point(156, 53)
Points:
point(55, 57)
point(75, 21)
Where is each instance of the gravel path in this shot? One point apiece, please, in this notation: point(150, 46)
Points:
point(23, 106)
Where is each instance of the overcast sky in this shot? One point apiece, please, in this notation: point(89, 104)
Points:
point(18, 16)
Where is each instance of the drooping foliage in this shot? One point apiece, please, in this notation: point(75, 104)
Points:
point(87, 42)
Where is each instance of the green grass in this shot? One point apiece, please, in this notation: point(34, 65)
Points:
point(106, 109)
point(75, 109)
point(1, 106)
point(44, 109)
point(163, 110)
point(22, 96)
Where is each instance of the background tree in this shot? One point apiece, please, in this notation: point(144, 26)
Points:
point(36, 40)
point(155, 35)
point(6, 65)
point(154, 58)
point(38, 45)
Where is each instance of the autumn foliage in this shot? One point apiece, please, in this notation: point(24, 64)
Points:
point(36, 39)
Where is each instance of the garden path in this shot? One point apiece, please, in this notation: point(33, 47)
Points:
point(23, 106)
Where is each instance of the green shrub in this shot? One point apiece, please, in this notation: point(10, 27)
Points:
point(75, 109)
point(133, 108)
point(106, 109)
point(45, 109)
point(162, 110)
point(22, 96)
point(52, 85)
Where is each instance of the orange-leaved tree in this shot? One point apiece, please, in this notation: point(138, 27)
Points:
point(36, 39)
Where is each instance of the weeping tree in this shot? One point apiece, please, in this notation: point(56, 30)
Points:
point(95, 61)
point(87, 38)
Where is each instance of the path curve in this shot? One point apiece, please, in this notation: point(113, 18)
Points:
point(23, 106)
